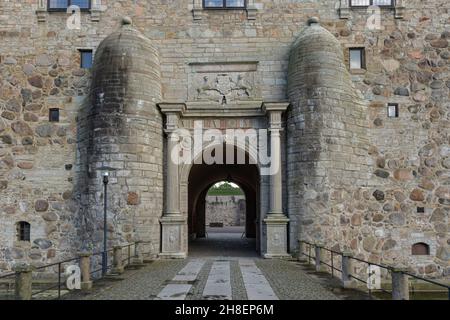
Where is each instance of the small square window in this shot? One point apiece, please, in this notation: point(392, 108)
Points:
point(420, 210)
point(86, 59)
point(393, 110)
point(357, 58)
point(53, 115)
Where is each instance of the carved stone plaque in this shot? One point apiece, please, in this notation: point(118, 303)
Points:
point(224, 83)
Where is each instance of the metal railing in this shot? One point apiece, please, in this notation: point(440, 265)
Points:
point(319, 260)
point(58, 286)
point(51, 279)
point(7, 286)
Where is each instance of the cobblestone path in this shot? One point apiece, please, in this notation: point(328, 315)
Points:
point(237, 274)
point(215, 278)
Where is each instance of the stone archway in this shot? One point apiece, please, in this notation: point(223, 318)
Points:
point(202, 177)
point(265, 184)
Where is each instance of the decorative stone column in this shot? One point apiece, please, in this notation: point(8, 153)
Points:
point(173, 223)
point(24, 282)
point(85, 268)
point(276, 221)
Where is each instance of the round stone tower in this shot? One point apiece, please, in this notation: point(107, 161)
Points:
point(124, 136)
point(327, 138)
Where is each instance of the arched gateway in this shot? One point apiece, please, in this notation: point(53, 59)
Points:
point(165, 155)
point(202, 150)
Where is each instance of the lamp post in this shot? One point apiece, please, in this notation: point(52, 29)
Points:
point(105, 226)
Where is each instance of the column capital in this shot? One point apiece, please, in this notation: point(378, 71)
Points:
point(172, 107)
point(274, 111)
point(173, 112)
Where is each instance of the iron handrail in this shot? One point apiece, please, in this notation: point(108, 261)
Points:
point(7, 275)
point(389, 268)
point(60, 263)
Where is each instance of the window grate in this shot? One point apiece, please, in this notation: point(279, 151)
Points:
point(224, 4)
point(23, 231)
point(367, 3)
point(62, 5)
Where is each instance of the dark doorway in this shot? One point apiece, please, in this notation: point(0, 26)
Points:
point(201, 178)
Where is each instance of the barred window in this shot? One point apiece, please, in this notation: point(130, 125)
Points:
point(62, 5)
point(224, 4)
point(366, 3)
point(23, 231)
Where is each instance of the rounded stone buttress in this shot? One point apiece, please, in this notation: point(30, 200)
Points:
point(126, 136)
point(326, 125)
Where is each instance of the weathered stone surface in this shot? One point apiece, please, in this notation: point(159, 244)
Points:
point(381, 173)
point(389, 244)
point(45, 130)
point(43, 243)
point(21, 128)
point(378, 195)
point(401, 91)
point(417, 195)
point(397, 219)
point(13, 105)
point(25, 165)
point(403, 174)
point(36, 81)
point(439, 43)
point(30, 117)
point(133, 198)
point(50, 216)
point(41, 205)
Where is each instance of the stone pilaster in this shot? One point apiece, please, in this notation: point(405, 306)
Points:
point(172, 222)
point(276, 221)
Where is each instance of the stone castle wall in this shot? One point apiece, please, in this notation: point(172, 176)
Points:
point(229, 210)
point(408, 157)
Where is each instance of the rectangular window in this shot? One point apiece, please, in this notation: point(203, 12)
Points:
point(420, 210)
point(62, 5)
point(53, 115)
point(23, 232)
point(357, 58)
point(366, 3)
point(86, 59)
point(393, 110)
point(224, 4)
